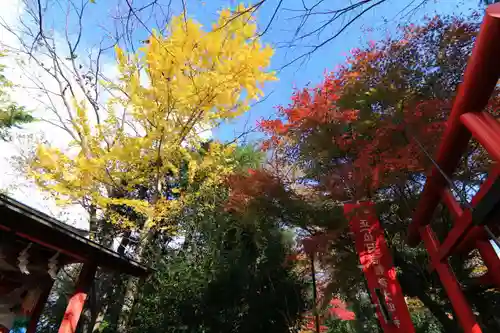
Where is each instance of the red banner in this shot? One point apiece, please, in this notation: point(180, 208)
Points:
point(378, 268)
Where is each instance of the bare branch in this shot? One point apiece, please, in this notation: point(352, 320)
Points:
point(40, 25)
point(316, 47)
point(254, 128)
point(251, 9)
point(272, 18)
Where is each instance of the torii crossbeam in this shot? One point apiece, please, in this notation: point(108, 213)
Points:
point(467, 120)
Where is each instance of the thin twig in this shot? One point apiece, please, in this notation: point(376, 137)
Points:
point(316, 47)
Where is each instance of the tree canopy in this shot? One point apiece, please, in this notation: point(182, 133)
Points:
point(130, 154)
point(366, 133)
point(249, 238)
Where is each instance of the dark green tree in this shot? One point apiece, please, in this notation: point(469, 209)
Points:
point(229, 277)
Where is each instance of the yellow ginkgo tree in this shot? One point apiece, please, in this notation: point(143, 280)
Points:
point(130, 153)
point(140, 158)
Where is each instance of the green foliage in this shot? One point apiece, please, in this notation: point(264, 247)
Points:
point(11, 114)
point(226, 268)
point(222, 274)
point(248, 157)
point(424, 322)
point(227, 277)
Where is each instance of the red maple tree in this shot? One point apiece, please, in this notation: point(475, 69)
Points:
point(368, 128)
point(373, 121)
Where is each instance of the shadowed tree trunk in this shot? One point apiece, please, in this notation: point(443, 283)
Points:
point(414, 285)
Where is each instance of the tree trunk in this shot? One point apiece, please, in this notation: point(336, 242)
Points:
point(93, 309)
point(449, 325)
point(107, 283)
point(132, 288)
point(315, 296)
point(414, 285)
point(93, 223)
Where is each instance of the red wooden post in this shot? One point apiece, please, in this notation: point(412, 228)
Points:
point(450, 283)
point(76, 302)
point(480, 78)
point(37, 310)
point(466, 119)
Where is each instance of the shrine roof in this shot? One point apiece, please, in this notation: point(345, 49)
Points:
point(46, 231)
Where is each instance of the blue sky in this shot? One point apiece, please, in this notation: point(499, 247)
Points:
point(382, 20)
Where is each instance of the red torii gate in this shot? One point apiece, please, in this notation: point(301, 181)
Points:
point(467, 120)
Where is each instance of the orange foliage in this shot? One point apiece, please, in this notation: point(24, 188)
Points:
point(245, 188)
point(379, 143)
